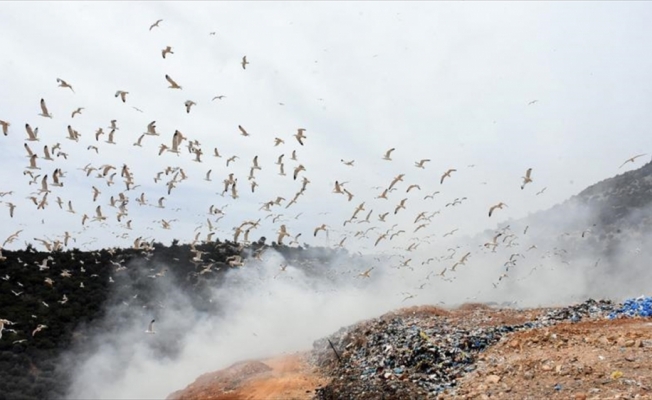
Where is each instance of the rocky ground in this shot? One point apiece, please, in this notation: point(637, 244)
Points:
point(472, 352)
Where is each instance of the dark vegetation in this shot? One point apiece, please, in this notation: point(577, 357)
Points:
point(30, 366)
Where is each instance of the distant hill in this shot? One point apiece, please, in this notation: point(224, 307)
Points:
point(120, 280)
point(605, 231)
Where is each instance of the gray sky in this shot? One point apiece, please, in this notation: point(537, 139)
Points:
point(450, 82)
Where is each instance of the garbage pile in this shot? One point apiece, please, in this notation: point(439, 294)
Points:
point(575, 313)
point(417, 357)
point(635, 307)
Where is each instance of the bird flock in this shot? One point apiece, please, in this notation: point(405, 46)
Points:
point(117, 192)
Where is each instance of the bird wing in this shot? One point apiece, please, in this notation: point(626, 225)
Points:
point(44, 108)
point(172, 82)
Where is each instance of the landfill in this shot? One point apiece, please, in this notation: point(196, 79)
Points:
point(410, 355)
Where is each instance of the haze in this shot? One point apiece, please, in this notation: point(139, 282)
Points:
point(489, 89)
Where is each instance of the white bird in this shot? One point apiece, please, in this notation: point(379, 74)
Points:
point(32, 134)
point(64, 84)
point(299, 135)
point(122, 94)
point(166, 50)
point(4, 322)
point(5, 127)
point(527, 178)
point(155, 24)
point(173, 84)
point(150, 328)
point(632, 159)
point(44, 110)
point(38, 329)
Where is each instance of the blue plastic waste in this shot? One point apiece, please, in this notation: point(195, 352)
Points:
point(635, 307)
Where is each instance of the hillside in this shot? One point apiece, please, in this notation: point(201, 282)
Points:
point(78, 296)
point(86, 286)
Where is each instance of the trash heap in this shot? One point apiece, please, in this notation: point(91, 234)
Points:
point(635, 307)
point(416, 357)
point(575, 313)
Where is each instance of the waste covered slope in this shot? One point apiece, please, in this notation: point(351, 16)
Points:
point(422, 352)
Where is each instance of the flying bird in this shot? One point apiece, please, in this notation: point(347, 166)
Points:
point(166, 50)
point(527, 178)
point(77, 111)
point(122, 94)
point(499, 206)
point(323, 227)
point(173, 84)
point(155, 24)
point(632, 159)
point(150, 328)
point(299, 135)
point(244, 62)
point(243, 132)
point(420, 163)
point(32, 134)
point(64, 84)
point(447, 174)
point(388, 154)
point(5, 127)
point(44, 110)
point(188, 104)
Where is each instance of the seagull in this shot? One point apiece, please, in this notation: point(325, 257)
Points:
point(64, 84)
point(38, 329)
point(499, 205)
point(31, 133)
point(44, 110)
point(122, 94)
point(5, 127)
point(166, 50)
point(299, 135)
point(365, 274)
point(150, 328)
point(420, 163)
point(155, 24)
point(323, 227)
point(244, 62)
point(77, 111)
point(532, 102)
point(4, 322)
point(388, 154)
point(632, 159)
point(151, 129)
point(541, 191)
point(173, 84)
point(243, 132)
point(188, 104)
point(281, 234)
point(527, 178)
point(447, 174)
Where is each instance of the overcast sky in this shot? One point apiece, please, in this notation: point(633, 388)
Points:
point(450, 82)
